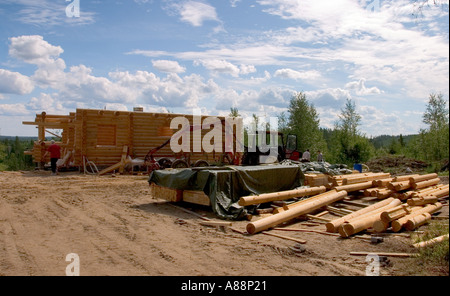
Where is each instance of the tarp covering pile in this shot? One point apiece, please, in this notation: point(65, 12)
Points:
point(322, 167)
point(225, 186)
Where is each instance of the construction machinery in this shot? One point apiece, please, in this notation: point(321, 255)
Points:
point(255, 154)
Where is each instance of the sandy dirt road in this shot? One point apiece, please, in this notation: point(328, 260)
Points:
point(116, 228)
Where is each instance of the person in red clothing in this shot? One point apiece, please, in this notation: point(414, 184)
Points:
point(55, 154)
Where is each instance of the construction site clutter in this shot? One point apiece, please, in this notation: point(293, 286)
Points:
point(387, 203)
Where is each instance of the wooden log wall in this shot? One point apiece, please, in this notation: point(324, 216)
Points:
point(100, 135)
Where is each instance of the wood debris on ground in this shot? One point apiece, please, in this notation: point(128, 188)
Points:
point(385, 203)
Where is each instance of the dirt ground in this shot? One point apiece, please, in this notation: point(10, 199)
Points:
point(117, 228)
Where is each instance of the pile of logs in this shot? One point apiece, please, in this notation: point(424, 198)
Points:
point(401, 202)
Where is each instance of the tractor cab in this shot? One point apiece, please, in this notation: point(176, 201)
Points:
point(268, 152)
point(290, 149)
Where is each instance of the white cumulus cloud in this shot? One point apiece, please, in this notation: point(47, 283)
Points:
point(360, 88)
point(195, 12)
point(33, 49)
point(297, 75)
point(219, 66)
point(168, 66)
point(15, 83)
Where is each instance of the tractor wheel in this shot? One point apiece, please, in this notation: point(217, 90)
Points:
point(179, 164)
point(165, 163)
point(201, 163)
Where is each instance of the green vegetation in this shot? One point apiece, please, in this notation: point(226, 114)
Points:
point(435, 257)
point(347, 145)
point(12, 157)
point(303, 121)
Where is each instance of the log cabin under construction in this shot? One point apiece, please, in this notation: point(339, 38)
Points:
point(106, 138)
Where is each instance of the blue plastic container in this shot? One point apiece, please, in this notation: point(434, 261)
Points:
point(357, 167)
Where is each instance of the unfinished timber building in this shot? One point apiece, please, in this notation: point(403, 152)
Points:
point(107, 138)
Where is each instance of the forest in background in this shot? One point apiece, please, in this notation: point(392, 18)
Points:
point(346, 144)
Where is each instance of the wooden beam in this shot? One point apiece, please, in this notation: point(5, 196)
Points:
point(215, 223)
point(196, 197)
point(169, 194)
point(307, 230)
point(300, 241)
point(386, 254)
point(318, 218)
point(123, 159)
point(190, 212)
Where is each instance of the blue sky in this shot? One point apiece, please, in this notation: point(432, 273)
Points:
point(174, 56)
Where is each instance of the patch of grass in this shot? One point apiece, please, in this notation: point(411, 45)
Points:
point(433, 260)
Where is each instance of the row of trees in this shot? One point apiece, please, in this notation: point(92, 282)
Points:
point(12, 155)
point(343, 144)
point(346, 144)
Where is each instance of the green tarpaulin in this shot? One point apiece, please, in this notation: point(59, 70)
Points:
point(225, 186)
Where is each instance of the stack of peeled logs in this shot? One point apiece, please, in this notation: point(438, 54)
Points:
point(406, 202)
point(421, 193)
point(296, 209)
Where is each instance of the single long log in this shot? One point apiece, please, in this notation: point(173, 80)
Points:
point(431, 241)
point(354, 226)
point(303, 201)
point(354, 187)
point(371, 177)
point(302, 209)
point(354, 175)
point(426, 183)
point(333, 226)
point(420, 201)
point(442, 192)
point(420, 178)
point(282, 195)
point(404, 177)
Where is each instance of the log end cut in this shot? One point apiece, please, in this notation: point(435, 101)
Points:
point(251, 228)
